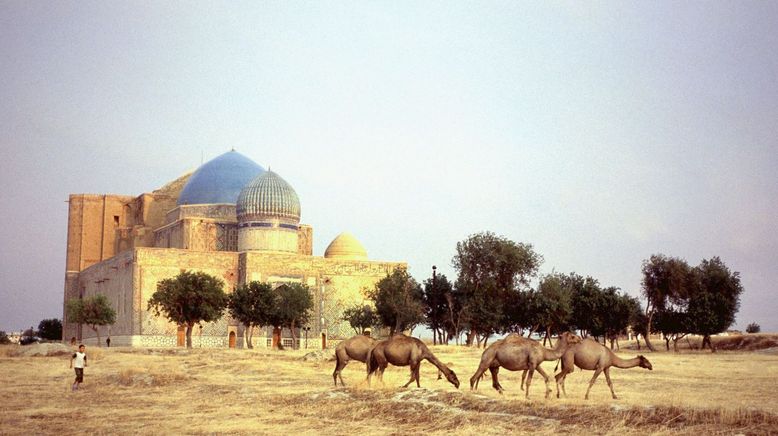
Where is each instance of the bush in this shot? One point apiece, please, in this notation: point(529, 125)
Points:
point(753, 328)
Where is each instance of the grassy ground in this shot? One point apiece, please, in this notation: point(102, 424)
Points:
point(270, 392)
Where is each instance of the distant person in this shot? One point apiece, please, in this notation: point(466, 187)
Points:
point(79, 357)
point(73, 341)
point(108, 342)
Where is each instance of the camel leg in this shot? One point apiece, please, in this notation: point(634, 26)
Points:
point(476, 377)
point(560, 380)
point(413, 375)
point(597, 372)
point(607, 372)
point(418, 370)
point(530, 371)
point(495, 381)
point(546, 378)
point(523, 377)
point(338, 368)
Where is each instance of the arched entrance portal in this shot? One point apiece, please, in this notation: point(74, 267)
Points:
point(233, 339)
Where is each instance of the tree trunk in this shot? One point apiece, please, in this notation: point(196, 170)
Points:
point(249, 334)
point(667, 343)
point(470, 337)
point(189, 328)
point(637, 339)
point(647, 336)
point(276, 342)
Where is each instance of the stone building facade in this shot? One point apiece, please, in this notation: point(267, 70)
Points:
point(230, 219)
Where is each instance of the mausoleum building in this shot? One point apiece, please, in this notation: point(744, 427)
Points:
point(230, 218)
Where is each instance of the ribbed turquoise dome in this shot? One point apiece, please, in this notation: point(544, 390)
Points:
point(220, 180)
point(268, 196)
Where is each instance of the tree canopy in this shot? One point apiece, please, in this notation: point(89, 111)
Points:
point(714, 299)
point(492, 271)
point(50, 329)
point(252, 304)
point(292, 308)
point(360, 317)
point(189, 298)
point(398, 301)
point(93, 311)
point(665, 283)
point(681, 299)
point(436, 305)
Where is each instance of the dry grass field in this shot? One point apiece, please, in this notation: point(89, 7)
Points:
point(275, 392)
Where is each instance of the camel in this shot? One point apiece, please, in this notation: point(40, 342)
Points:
point(356, 348)
point(516, 353)
point(591, 355)
point(401, 350)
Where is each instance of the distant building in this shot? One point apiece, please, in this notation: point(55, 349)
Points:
point(230, 218)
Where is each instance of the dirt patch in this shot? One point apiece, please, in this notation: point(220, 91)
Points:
point(144, 377)
point(320, 356)
point(41, 350)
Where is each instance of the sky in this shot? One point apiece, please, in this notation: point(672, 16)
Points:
point(599, 132)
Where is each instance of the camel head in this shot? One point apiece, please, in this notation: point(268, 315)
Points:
point(452, 378)
point(570, 338)
point(644, 363)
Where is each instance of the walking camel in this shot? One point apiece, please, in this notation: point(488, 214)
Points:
point(356, 348)
point(401, 350)
point(592, 355)
point(516, 353)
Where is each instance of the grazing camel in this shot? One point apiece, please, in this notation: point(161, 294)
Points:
point(401, 350)
point(356, 348)
point(516, 353)
point(592, 355)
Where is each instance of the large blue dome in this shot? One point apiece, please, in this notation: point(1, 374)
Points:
point(220, 180)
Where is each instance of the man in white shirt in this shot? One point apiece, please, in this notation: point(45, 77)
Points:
point(79, 358)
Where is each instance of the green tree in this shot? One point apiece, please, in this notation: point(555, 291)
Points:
point(587, 304)
point(492, 270)
point(93, 311)
point(398, 301)
point(360, 317)
point(638, 322)
point(436, 304)
point(753, 328)
point(673, 323)
point(665, 282)
point(552, 304)
point(4, 339)
point(188, 299)
point(616, 313)
point(251, 304)
point(714, 300)
point(50, 329)
point(292, 308)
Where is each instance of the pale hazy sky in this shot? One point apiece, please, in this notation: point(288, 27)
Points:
point(599, 132)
